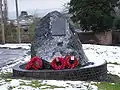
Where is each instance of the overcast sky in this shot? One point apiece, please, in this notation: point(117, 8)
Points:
point(41, 7)
point(36, 4)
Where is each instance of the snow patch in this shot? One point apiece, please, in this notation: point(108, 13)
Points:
point(25, 46)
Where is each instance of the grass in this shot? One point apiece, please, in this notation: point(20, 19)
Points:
point(115, 63)
point(38, 84)
point(6, 75)
point(11, 87)
point(108, 86)
point(112, 83)
point(8, 80)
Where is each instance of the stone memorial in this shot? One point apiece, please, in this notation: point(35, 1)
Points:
point(55, 37)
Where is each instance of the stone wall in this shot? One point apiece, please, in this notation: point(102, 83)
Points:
point(116, 37)
point(104, 38)
point(25, 38)
point(86, 36)
point(100, 38)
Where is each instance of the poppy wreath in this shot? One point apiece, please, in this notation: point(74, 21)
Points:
point(70, 64)
point(58, 63)
point(35, 63)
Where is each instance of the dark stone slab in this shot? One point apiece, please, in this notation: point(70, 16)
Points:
point(58, 27)
point(55, 36)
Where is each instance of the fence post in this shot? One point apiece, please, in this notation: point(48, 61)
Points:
point(2, 23)
point(18, 24)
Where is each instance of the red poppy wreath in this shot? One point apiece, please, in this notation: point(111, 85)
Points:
point(58, 63)
point(35, 63)
point(71, 62)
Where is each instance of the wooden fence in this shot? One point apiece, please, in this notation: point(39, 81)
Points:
point(26, 37)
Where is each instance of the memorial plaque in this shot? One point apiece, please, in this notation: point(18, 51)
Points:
point(58, 27)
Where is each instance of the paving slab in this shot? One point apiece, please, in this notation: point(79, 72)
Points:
point(8, 56)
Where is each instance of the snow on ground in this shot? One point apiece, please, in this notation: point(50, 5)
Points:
point(25, 46)
point(98, 52)
point(93, 52)
point(109, 53)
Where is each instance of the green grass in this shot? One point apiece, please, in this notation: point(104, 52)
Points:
point(11, 87)
point(6, 75)
point(112, 83)
point(115, 63)
point(38, 84)
point(8, 80)
point(108, 86)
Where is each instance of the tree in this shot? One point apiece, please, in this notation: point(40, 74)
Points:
point(92, 14)
point(114, 2)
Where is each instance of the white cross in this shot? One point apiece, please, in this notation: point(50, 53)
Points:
point(72, 58)
point(57, 60)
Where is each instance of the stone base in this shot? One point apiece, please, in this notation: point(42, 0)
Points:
point(92, 73)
